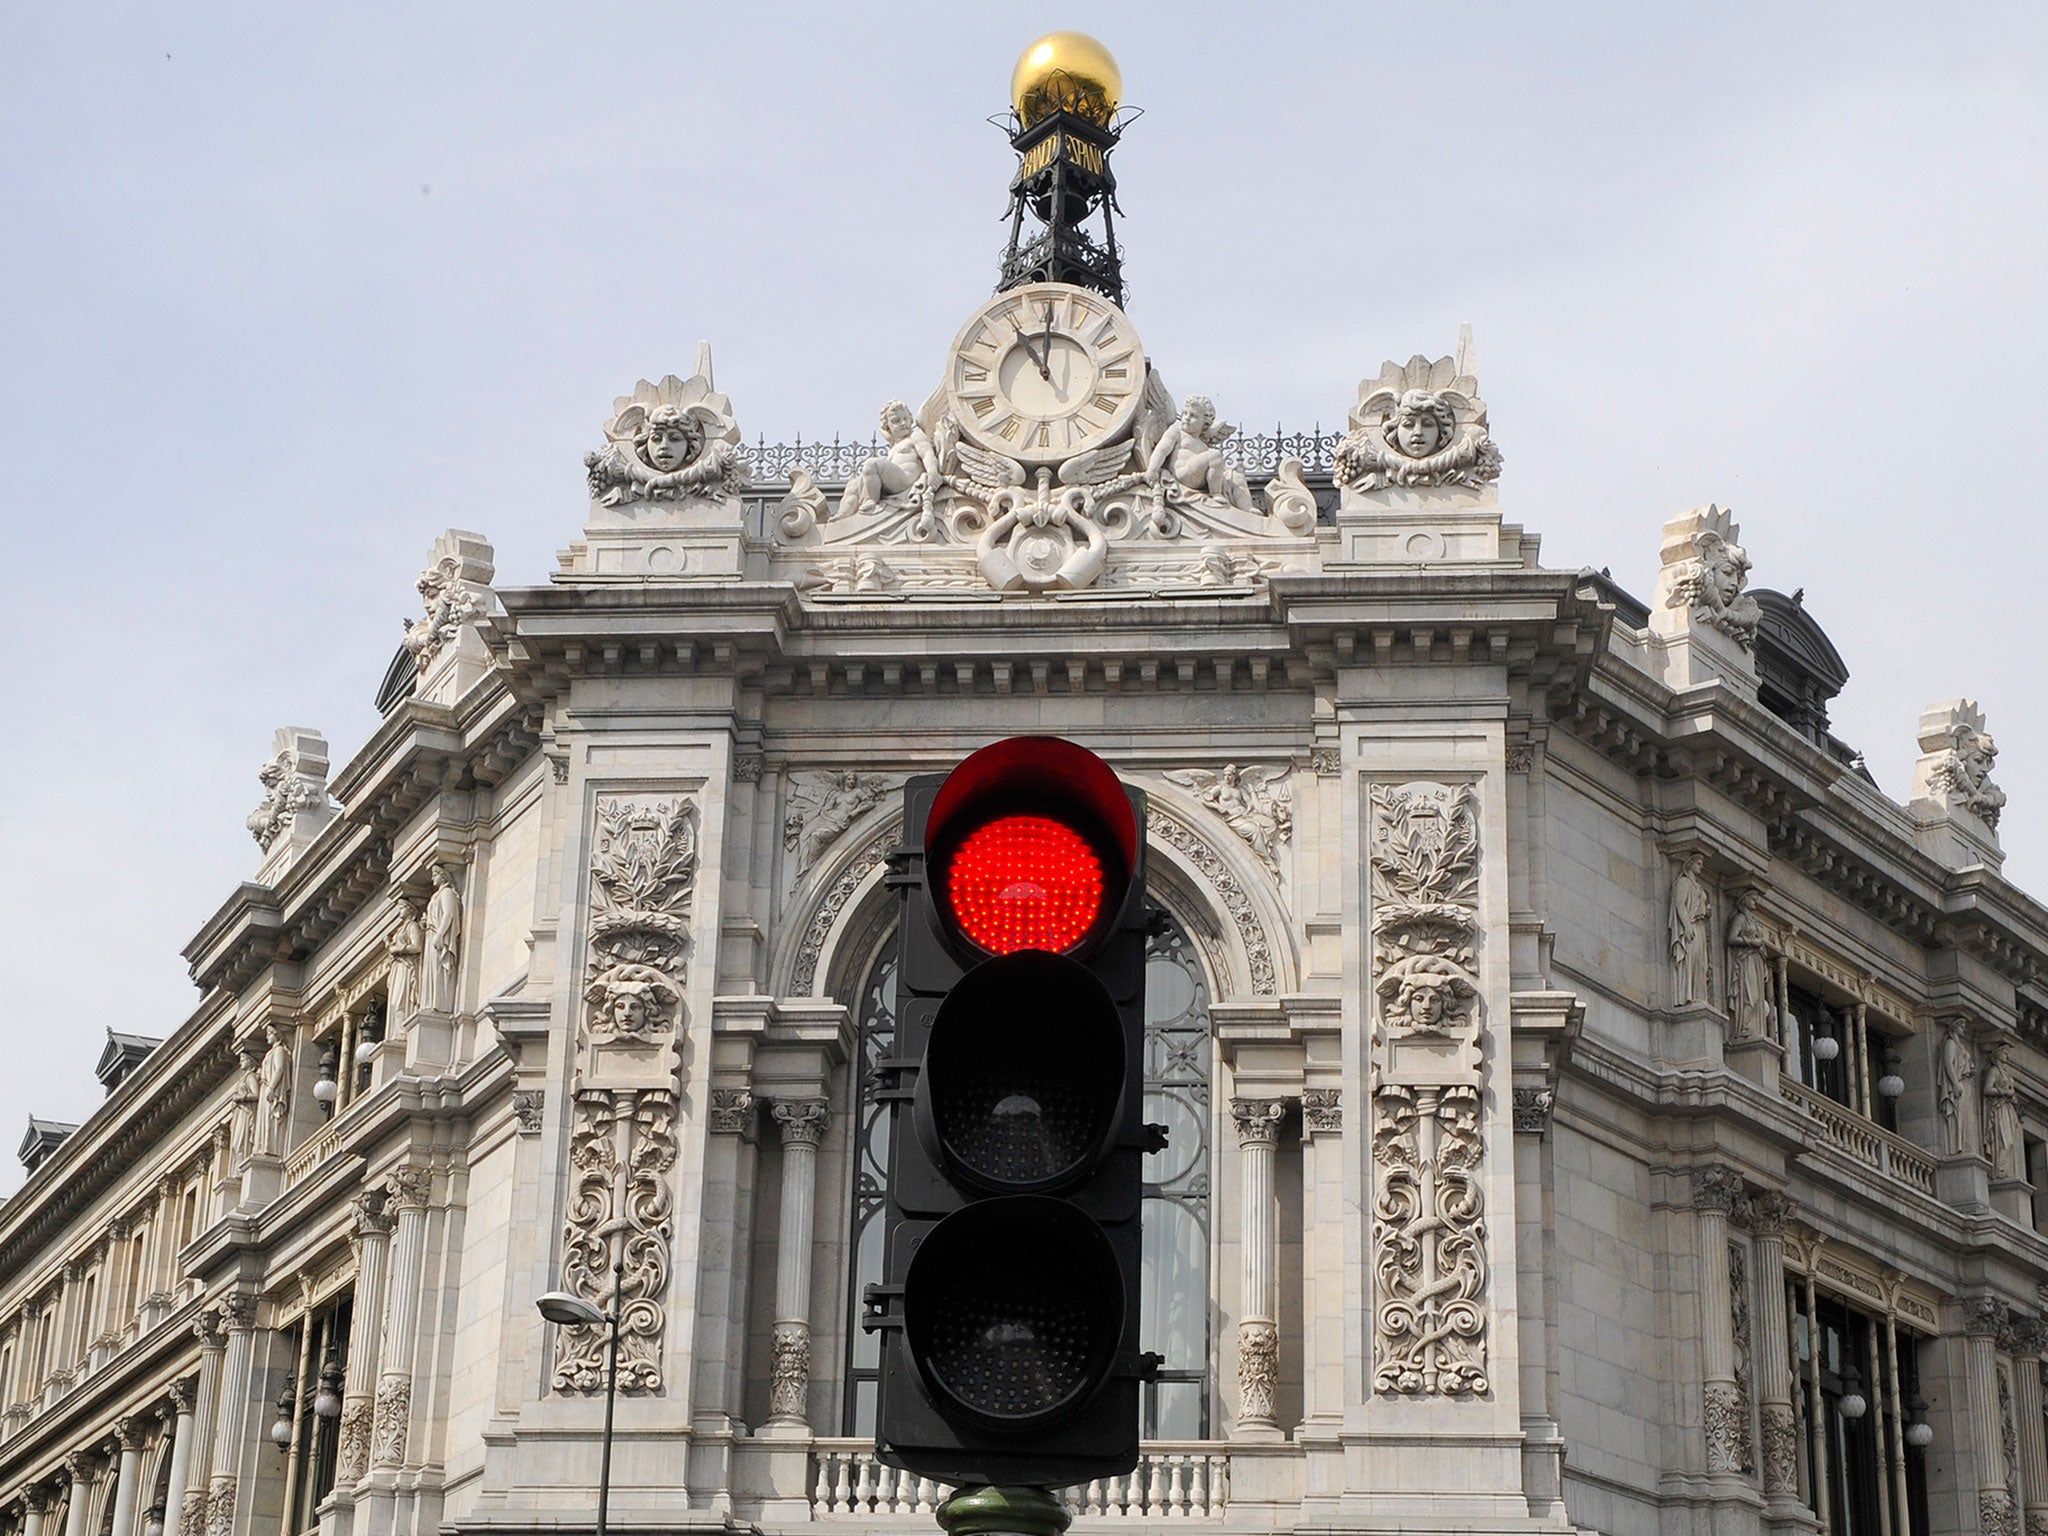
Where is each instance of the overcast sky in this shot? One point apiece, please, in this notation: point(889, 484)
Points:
point(289, 290)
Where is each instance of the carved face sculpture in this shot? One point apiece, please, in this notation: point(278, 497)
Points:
point(670, 441)
point(1725, 570)
point(1198, 415)
point(628, 1011)
point(897, 421)
point(1421, 424)
point(438, 876)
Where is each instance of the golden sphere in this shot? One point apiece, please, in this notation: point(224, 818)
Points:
point(1068, 70)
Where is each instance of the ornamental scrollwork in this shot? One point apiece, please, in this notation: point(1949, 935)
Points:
point(1428, 1146)
point(1229, 890)
point(1258, 1369)
point(1429, 1241)
point(618, 1229)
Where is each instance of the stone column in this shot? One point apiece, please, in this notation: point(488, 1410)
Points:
point(189, 1519)
point(1258, 1328)
point(1768, 1214)
point(231, 1404)
point(163, 1269)
point(2030, 1343)
point(182, 1409)
point(802, 1125)
point(38, 1503)
point(359, 1395)
point(392, 1418)
point(128, 1435)
point(1714, 1193)
point(78, 1466)
point(1985, 1318)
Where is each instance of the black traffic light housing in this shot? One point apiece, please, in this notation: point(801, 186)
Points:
point(1009, 1311)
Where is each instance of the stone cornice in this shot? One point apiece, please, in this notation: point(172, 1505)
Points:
point(114, 1142)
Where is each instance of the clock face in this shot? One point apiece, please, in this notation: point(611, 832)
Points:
point(1044, 372)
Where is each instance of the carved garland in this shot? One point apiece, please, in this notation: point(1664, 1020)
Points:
point(836, 898)
point(1428, 1150)
point(622, 1138)
point(1258, 957)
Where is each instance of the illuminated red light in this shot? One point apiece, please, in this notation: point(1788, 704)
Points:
point(1025, 882)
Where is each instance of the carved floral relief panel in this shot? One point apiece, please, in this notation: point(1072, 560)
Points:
point(1427, 1064)
point(622, 1138)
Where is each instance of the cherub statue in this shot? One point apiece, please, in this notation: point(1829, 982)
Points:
point(1189, 457)
point(630, 1000)
point(908, 471)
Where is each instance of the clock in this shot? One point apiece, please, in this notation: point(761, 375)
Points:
point(1046, 371)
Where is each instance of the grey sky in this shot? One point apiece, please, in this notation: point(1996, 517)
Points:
point(289, 291)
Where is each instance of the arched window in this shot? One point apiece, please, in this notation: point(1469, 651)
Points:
point(1174, 1316)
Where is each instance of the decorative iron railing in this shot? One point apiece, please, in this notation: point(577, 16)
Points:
point(833, 462)
point(1172, 1480)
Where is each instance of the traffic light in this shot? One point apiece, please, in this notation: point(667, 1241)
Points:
point(1009, 1312)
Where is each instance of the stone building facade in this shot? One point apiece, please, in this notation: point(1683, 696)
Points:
point(1596, 1105)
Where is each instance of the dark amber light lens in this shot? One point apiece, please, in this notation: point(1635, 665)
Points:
point(1025, 882)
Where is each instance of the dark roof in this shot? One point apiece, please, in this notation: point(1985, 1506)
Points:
point(43, 1138)
point(124, 1053)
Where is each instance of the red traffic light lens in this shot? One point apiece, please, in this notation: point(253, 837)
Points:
point(1024, 882)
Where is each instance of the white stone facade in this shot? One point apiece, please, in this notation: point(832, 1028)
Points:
point(1518, 908)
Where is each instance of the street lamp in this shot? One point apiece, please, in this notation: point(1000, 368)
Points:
point(574, 1312)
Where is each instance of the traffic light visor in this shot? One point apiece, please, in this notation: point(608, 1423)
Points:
point(1024, 1076)
point(1031, 843)
point(1013, 1310)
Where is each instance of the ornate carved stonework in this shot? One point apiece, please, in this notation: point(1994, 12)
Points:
point(1986, 1315)
point(1421, 423)
point(1532, 1110)
point(1996, 1514)
point(671, 441)
point(390, 1421)
point(192, 1517)
point(409, 1184)
point(732, 1110)
point(2008, 1435)
point(805, 972)
point(1705, 571)
point(220, 1509)
point(789, 1382)
point(294, 781)
point(1428, 1057)
point(1258, 1121)
point(801, 1122)
point(1258, 956)
point(1258, 1369)
point(529, 1105)
point(1521, 757)
point(1781, 1451)
point(1727, 1427)
point(746, 768)
point(1715, 1188)
point(821, 807)
point(454, 590)
point(622, 1136)
point(1429, 1241)
point(1255, 803)
point(1956, 754)
point(358, 1424)
point(1738, 1306)
point(1325, 762)
point(1322, 1110)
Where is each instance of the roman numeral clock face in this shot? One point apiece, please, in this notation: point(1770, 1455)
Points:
point(1045, 372)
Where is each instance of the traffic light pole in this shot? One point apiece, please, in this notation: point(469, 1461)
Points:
point(986, 1511)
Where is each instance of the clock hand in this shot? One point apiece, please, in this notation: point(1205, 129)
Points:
point(1040, 363)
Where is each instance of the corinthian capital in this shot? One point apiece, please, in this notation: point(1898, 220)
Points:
point(801, 1121)
point(1258, 1121)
